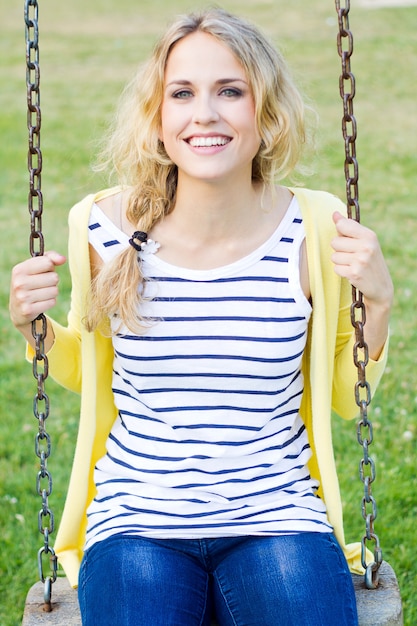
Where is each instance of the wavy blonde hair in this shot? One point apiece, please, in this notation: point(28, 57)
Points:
point(134, 152)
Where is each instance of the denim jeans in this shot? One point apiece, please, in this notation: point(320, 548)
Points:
point(291, 580)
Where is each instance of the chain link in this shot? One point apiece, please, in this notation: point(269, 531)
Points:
point(39, 326)
point(363, 394)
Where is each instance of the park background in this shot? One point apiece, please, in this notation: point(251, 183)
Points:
point(88, 50)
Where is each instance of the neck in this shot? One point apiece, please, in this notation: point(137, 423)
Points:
point(205, 210)
point(214, 225)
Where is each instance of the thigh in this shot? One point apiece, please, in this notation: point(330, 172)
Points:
point(293, 580)
point(130, 581)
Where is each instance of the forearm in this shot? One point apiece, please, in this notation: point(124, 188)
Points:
point(27, 332)
point(64, 356)
point(376, 327)
point(345, 377)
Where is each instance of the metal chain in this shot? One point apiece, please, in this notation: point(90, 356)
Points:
point(363, 394)
point(39, 326)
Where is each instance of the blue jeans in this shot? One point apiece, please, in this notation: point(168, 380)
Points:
point(291, 580)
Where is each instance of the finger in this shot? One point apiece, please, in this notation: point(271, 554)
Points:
point(25, 305)
point(34, 304)
point(56, 258)
point(39, 264)
point(45, 263)
point(345, 244)
point(347, 226)
point(33, 276)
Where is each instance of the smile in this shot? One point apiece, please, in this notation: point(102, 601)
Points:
point(208, 142)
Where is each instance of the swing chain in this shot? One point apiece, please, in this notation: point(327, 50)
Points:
point(39, 326)
point(363, 394)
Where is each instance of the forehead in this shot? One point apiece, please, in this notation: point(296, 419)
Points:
point(202, 54)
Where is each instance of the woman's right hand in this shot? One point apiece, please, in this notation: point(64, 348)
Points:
point(33, 289)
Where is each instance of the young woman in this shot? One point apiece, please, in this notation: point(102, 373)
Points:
point(209, 336)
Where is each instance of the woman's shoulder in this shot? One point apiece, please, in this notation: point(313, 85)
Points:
point(112, 203)
point(317, 208)
point(80, 212)
point(104, 196)
point(316, 200)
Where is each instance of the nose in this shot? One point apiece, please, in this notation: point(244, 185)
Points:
point(205, 110)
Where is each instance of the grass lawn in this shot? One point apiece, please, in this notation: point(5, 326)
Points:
point(88, 51)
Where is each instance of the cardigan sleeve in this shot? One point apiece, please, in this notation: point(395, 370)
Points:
point(345, 372)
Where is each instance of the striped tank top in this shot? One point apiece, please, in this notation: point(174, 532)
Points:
point(208, 441)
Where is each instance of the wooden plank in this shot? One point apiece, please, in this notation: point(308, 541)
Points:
point(376, 607)
point(64, 604)
point(381, 606)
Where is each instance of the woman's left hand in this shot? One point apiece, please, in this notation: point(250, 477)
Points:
point(358, 257)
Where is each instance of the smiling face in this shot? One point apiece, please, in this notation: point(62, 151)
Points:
point(208, 124)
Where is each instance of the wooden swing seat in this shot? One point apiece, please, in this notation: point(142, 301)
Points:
point(376, 607)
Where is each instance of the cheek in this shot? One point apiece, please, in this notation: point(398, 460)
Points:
point(245, 116)
point(172, 123)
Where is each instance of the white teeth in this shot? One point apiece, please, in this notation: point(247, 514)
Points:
point(207, 142)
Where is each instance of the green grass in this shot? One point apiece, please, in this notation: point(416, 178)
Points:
point(88, 50)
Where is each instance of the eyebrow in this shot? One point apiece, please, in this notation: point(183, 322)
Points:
point(221, 81)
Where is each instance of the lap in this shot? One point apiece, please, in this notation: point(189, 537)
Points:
point(293, 580)
point(299, 579)
point(126, 581)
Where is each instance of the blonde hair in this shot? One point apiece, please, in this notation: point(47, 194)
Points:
point(136, 155)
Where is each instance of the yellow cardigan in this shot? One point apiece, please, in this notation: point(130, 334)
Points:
point(82, 362)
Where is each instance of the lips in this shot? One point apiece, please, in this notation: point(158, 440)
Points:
point(208, 142)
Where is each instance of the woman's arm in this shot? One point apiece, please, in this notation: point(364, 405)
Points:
point(358, 258)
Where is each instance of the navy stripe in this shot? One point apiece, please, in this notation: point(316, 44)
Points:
point(238, 481)
point(273, 489)
point(173, 459)
point(214, 390)
point(244, 392)
point(223, 524)
point(224, 299)
point(215, 357)
point(278, 259)
point(227, 442)
point(224, 318)
point(214, 338)
point(207, 375)
point(197, 515)
point(215, 408)
point(218, 281)
point(191, 470)
point(231, 426)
